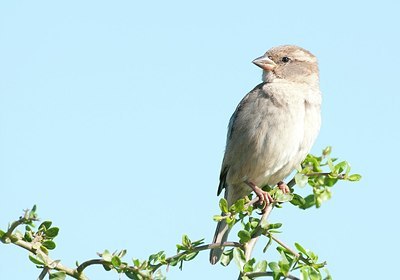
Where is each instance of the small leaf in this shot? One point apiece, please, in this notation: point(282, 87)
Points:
point(239, 258)
point(274, 267)
point(244, 236)
point(116, 261)
point(248, 266)
point(300, 248)
point(327, 151)
point(284, 264)
point(186, 241)
point(227, 257)
point(49, 244)
point(329, 181)
point(354, 177)
point(314, 274)
point(268, 244)
point(301, 180)
point(2, 233)
point(132, 275)
point(218, 218)
point(330, 164)
point(239, 205)
point(297, 200)
point(36, 259)
point(122, 253)
point(106, 256)
point(52, 232)
point(45, 225)
point(309, 201)
point(261, 266)
point(223, 205)
point(59, 275)
point(304, 272)
point(340, 167)
point(197, 242)
point(191, 256)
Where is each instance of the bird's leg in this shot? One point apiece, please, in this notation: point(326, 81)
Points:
point(283, 187)
point(263, 197)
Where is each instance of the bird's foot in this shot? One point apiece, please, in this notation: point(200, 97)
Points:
point(264, 198)
point(283, 187)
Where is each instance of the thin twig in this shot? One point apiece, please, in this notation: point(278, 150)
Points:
point(198, 249)
point(85, 264)
point(297, 255)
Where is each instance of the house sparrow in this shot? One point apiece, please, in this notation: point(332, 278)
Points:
point(272, 129)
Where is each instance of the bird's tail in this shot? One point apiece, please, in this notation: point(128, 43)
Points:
point(220, 236)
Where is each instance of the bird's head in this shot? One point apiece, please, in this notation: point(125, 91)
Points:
point(288, 63)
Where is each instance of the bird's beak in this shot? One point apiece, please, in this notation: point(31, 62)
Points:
point(265, 63)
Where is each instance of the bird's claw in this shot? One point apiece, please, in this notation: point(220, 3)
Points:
point(283, 187)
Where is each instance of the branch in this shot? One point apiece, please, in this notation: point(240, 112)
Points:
point(198, 249)
point(253, 275)
point(297, 255)
point(249, 246)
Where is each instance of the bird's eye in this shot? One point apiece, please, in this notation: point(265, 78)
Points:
point(285, 59)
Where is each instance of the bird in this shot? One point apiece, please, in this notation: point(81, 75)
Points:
point(272, 129)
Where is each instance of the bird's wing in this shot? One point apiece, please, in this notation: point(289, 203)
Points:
point(232, 128)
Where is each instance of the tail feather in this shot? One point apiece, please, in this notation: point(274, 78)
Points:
point(220, 236)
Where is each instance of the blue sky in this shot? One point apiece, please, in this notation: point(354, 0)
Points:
point(113, 120)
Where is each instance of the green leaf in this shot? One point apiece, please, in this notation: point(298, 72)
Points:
point(309, 201)
point(314, 274)
point(106, 256)
point(239, 258)
point(59, 275)
point(36, 259)
point(116, 261)
point(244, 236)
point(191, 256)
point(186, 241)
point(248, 266)
point(136, 262)
point(276, 270)
point(28, 236)
point(2, 233)
point(275, 226)
point(132, 275)
point(45, 225)
point(197, 242)
point(298, 200)
point(354, 177)
point(340, 167)
point(223, 205)
point(331, 165)
point(239, 205)
point(301, 180)
point(268, 244)
point(180, 248)
point(218, 218)
point(329, 181)
point(327, 151)
point(283, 197)
point(158, 256)
point(261, 266)
point(227, 257)
point(301, 248)
point(49, 244)
point(52, 232)
point(284, 264)
point(122, 253)
point(304, 272)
